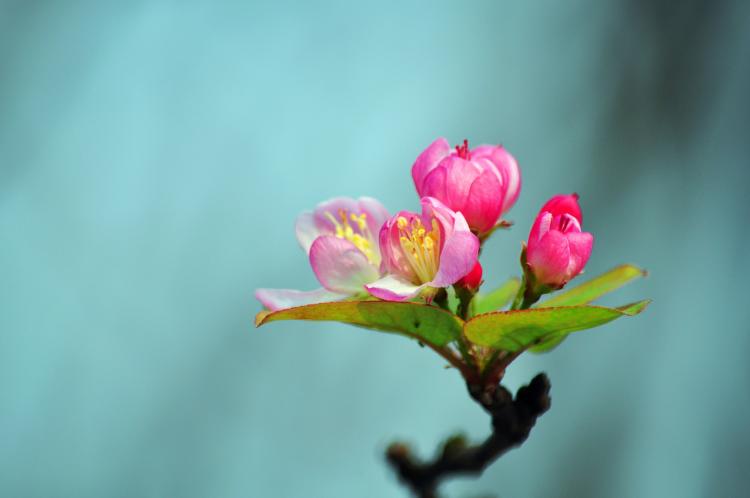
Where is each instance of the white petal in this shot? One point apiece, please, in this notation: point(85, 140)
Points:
point(277, 299)
point(392, 288)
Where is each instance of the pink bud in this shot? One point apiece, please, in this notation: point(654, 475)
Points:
point(557, 249)
point(482, 183)
point(473, 279)
point(562, 204)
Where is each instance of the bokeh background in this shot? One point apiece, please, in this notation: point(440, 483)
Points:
point(154, 155)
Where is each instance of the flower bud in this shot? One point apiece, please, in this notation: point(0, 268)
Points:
point(482, 184)
point(557, 249)
point(473, 279)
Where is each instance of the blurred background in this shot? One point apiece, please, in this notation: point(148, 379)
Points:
point(154, 156)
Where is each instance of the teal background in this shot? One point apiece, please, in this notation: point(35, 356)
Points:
point(154, 156)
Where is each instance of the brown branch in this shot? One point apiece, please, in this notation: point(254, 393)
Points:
point(512, 420)
point(495, 370)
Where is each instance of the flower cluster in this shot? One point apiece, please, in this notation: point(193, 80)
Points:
point(357, 249)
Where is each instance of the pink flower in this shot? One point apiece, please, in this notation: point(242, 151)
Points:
point(482, 184)
point(424, 252)
point(339, 238)
point(557, 249)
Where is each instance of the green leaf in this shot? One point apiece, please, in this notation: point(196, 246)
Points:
point(419, 321)
point(496, 299)
point(548, 345)
point(596, 287)
point(518, 330)
point(586, 293)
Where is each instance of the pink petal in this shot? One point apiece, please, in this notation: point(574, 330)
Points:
point(340, 266)
point(397, 262)
point(549, 258)
point(459, 254)
point(482, 207)
point(460, 177)
point(562, 204)
point(483, 151)
point(512, 179)
point(388, 259)
point(540, 227)
point(435, 183)
point(428, 160)
point(506, 167)
point(458, 221)
point(473, 187)
point(276, 299)
point(581, 244)
point(393, 288)
point(445, 215)
point(390, 247)
point(568, 221)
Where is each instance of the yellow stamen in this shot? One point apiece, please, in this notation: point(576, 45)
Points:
point(420, 247)
point(360, 220)
point(362, 240)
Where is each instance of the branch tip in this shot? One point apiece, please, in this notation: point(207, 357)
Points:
point(512, 421)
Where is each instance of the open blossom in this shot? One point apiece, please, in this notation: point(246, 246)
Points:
point(482, 183)
point(339, 237)
point(424, 252)
point(557, 249)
